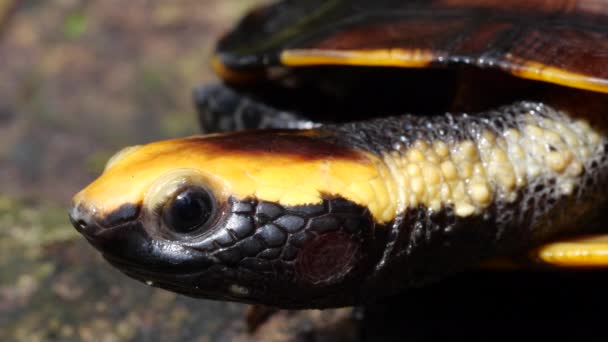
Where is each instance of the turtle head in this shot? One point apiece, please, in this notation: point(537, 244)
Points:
point(249, 217)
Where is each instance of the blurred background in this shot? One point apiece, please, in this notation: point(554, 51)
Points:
point(78, 81)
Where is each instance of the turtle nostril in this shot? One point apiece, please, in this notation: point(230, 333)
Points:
point(80, 224)
point(81, 219)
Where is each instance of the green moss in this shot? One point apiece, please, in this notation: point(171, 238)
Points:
point(75, 25)
point(34, 224)
point(25, 230)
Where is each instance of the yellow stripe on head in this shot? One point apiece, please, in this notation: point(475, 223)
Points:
point(285, 167)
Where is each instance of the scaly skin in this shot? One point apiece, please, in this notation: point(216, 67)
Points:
point(340, 214)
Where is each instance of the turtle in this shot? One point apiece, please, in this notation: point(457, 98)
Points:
point(358, 149)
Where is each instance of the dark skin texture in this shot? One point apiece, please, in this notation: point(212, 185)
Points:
point(328, 257)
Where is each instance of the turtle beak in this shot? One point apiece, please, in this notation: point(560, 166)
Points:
point(88, 221)
point(82, 219)
point(122, 240)
point(118, 234)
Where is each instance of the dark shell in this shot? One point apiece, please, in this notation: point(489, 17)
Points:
point(557, 41)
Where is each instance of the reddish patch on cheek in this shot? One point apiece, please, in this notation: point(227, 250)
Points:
point(326, 258)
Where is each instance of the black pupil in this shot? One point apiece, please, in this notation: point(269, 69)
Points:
point(188, 211)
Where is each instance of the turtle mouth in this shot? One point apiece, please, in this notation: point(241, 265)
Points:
point(203, 283)
point(86, 221)
point(156, 273)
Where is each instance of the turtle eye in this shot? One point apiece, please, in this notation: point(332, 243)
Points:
point(189, 210)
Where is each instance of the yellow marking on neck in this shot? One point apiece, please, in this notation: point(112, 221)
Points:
point(469, 175)
point(284, 178)
point(540, 72)
point(414, 58)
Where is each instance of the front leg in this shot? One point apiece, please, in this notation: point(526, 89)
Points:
point(223, 109)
